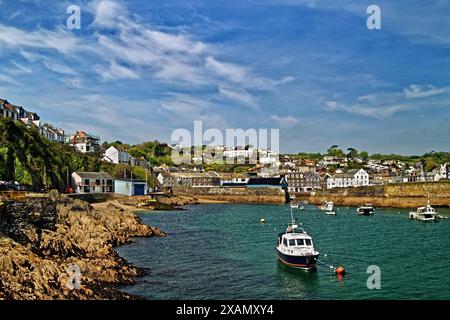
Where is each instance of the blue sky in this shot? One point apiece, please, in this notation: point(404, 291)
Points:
point(137, 70)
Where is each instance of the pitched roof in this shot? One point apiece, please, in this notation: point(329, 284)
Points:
point(94, 175)
point(349, 174)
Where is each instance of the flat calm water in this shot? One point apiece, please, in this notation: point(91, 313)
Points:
point(223, 252)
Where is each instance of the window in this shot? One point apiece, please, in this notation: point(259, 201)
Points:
point(285, 242)
point(86, 182)
point(97, 182)
point(300, 242)
point(308, 242)
point(291, 242)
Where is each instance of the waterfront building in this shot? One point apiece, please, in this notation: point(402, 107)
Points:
point(303, 181)
point(131, 187)
point(351, 178)
point(233, 180)
point(92, 182)
point(117, 156)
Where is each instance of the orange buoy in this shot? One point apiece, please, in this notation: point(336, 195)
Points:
point(339, 270)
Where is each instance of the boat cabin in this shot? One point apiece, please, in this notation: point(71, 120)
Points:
point(297, 240)
point(426, 212)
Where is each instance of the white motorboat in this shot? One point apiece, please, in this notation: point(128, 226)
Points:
point(366, 210)
point(427, 214)
point(295, 248)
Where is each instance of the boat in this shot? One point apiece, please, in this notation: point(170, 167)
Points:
point(365, 210)
point(327, 206)
point(295, 248)
point(427, 214)
point(262, 220)
point(294, 205)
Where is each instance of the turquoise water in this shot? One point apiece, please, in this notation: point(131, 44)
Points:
point(223, 252)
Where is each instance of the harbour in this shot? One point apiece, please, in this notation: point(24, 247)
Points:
point(222, 251)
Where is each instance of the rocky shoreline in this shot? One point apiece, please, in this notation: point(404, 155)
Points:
point(63, 249)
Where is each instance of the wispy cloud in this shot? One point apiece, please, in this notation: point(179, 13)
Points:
point(59, 68)
point(60, 40)
point(239, 95)
point(284, 122)
point(115, 71)
point(417, 91)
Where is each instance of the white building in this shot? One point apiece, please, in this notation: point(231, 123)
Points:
point(352, 178)
point(83, 142)
point(239, 153)
point(444, 171)
point(52, 133)
point(92, 182)
point(269, 157)
point(114, 155)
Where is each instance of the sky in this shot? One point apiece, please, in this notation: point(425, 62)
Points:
point(137, 70)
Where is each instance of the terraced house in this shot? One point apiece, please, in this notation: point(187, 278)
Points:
point(31, 120)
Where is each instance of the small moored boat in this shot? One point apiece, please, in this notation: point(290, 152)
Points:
point(294, 205)
point(366, 210)
point(296, 249)
point(327, 206)
point(427, 214)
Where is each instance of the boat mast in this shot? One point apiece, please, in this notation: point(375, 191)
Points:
point(292, 218)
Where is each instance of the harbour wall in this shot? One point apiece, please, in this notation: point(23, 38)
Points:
point(404, 195)
point(235, 195)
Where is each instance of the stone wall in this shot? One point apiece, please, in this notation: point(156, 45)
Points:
point(235, 195)
point(404, 195)
point(92, 197)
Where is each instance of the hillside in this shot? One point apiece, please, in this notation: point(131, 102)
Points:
point(30, 159)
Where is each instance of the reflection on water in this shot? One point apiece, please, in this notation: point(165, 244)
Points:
point(297, 283)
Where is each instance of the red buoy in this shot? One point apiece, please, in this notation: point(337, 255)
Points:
point(340, 270)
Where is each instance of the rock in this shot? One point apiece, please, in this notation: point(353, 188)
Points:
point(78, 237)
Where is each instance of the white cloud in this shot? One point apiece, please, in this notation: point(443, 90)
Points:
point(59, 68)
point(284, 122)
point(239, 95)
point(116, 72)
point(417, 91)
point(59, 40)
point(368, 97)
point(108, 13)
point(231, 71)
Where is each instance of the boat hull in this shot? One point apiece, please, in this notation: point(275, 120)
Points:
point(301, 262)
